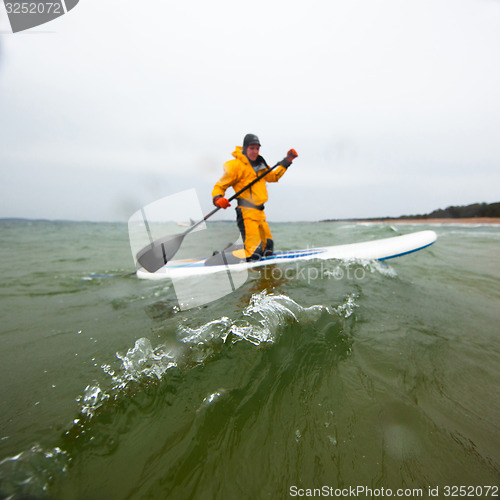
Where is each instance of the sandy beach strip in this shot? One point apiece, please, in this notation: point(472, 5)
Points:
point(466, 221)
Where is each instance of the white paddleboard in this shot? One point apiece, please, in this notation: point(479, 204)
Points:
point(387, 248)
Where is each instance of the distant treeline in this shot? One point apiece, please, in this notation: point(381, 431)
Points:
point(461, 212)
point(454, 212)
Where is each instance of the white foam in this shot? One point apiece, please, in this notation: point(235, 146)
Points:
point(355, 269)
point(93, 398)
point(142, 360)
point(212, 398)
point(347, 308)
point(261, 323)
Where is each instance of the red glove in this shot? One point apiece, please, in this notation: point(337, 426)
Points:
point(290, 156)
point(221, 202)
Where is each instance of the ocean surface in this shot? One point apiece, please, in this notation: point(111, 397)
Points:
point(338, 375)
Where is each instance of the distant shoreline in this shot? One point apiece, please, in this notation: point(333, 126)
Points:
point(495, 221)
point(466, 221)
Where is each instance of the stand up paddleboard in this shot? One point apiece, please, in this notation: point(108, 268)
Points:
point(387, 248)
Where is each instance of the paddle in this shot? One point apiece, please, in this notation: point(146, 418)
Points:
point(159, 252)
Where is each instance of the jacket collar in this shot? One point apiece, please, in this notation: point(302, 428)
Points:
point(238, 154)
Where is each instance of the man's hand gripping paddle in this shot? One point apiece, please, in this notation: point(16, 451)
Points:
point(159, 252)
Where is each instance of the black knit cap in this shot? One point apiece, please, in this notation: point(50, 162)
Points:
point(250, 139)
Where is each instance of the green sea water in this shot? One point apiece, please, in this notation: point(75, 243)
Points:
point(382, 376)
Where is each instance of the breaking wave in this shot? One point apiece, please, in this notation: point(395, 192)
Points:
point(259, 325)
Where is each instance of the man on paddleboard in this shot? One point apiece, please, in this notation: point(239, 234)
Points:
point(246, 166)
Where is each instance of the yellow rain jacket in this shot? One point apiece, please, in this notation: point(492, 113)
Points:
point(239, 172)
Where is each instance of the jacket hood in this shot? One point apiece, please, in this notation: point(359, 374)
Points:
point(238, 154)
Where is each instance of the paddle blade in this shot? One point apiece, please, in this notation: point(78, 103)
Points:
point(158, 253)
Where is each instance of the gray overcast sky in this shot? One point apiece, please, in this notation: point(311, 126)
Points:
point(392, 105)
